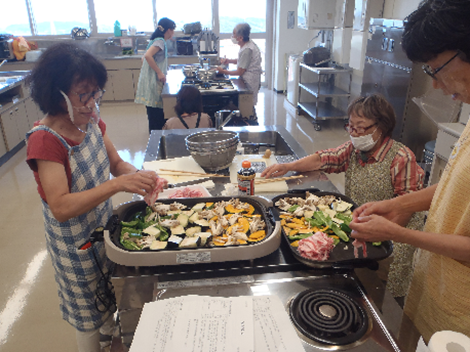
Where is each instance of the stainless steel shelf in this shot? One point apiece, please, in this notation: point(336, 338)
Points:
point(326, 70)
point(324, 89)
point(325, 111)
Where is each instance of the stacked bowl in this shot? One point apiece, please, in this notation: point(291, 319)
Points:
point(213, 150)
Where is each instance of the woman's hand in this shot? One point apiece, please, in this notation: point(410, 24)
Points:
point(220, 70)
point(389, 209)
point(224, 61)
point(161, 77)
point(275, 170)
point(142, 182)
point(374, 228)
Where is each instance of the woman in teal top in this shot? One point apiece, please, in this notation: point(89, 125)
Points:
point(153, 74)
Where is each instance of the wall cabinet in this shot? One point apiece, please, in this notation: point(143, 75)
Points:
point(324, 92)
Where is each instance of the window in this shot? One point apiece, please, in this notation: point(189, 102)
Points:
point(59, 17)
point(15, 20)
point(186, 11)
point(138, 13)
point(252, 12)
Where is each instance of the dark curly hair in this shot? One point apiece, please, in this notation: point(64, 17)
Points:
point(58, 68)
point(188, 100)
point(375, 107)
point(437, 26)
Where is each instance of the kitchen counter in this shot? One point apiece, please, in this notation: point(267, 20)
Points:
point(175, 77)
point(136, 285)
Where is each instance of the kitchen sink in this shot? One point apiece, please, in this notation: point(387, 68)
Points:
point(173, 145)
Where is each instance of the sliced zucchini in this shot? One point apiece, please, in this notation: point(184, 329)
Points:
point(198, 207)
point(343, 206)
point(174, 241)
point(190, 242)
point(158, 245)
point(152, 231)
point(338, 221)
point(183, 219)
point(193, 230)
point(330, 212)
point(202, 222)
point(173, 212)
point(205, 237)
point(187, 212)
point(177, 230)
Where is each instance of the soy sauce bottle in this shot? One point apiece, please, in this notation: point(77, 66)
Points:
point(246, 179)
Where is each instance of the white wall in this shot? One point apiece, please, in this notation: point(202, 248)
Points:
point(399, 9)
point(287, 41)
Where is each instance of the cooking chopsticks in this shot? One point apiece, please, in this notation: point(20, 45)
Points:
point(268, 180)
point(187, 173)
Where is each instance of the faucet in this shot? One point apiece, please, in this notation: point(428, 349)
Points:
point(219, 118)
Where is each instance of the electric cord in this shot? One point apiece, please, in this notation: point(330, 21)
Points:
point(104, 291)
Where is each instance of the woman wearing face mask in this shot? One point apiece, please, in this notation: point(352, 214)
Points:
point(153, 74)
point(376, 167)
point(248, 62)
point(72, 157)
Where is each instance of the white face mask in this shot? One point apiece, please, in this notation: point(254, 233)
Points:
point(364, 143)
point(95, 117)
point(234, 40)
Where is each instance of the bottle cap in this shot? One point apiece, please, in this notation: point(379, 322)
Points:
point(246, 164)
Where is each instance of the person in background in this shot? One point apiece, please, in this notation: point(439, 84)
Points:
point(377, 168)
point(436, 34)
point(248, 62)
point(153, 74)
point(188, 109)
point(72, 157)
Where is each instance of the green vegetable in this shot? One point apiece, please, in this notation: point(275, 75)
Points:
point(346, 219)
point(340, 233)
point(325, 220)
point(130, 245)
point(132, 232)
point(336, 241)
point(130, 223)
point(210, 207)
point(345, 227)
point(163, 234)
point(300, 237)
point(376, 244)
point(314, 222)
point(292, 208)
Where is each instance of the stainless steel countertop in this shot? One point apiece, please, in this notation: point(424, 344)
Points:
point(12, 79)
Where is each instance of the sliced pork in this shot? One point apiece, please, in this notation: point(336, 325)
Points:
point(316, 247)
point(186, 193)
point(358, 244)
point(160, 184)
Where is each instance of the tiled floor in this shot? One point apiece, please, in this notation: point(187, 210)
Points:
point(29, 314)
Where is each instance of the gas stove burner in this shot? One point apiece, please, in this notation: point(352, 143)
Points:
point(329, 317)
point(206, 85)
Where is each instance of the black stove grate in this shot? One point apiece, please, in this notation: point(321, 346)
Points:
point(329, 317)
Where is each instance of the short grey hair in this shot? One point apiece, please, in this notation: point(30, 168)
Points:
point(243, 29)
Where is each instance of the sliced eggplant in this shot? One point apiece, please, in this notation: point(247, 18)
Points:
point(158, 245)
point(174, 241)
point(202, 222)
point(193, 230)
point(152, 231)
point(194, 217)
point(190, 242)
point(205, 237)
point(178, 230)
point(198, 207)
point(183, 219)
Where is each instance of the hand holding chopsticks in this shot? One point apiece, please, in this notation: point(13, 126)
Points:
point(187, 173)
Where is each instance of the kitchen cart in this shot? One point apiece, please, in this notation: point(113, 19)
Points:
point(324, 92)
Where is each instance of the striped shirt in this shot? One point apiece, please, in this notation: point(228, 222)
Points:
point(406, 175)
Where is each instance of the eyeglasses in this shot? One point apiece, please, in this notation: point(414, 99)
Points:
point(358, 130)
point(432, 73)
point(96, 95)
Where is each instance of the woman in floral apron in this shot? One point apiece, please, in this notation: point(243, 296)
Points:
point(376, 167)
point(72, 157)
point(248, 62)
point(153, 74)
